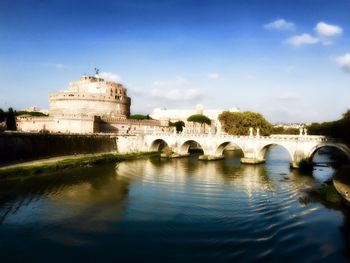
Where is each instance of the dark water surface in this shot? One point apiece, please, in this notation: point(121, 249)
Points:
point(180, 210)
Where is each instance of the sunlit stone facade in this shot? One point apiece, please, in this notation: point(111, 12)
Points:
point(89, 105)
point(91, 96)
point(174, 115)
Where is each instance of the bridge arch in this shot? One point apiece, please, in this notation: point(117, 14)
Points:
point(220, 149)
point(158, 145)
point(342, 147)
point(263, 150)
point(185, 146)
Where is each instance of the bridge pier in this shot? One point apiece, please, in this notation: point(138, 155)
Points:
point(294, 165)
point(297, 157)
point(174, 155)
point(252, 160)
point(205, 157)
point(252, 154)
point(174, 152)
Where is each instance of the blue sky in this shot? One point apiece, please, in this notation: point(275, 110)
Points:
point(289, 60)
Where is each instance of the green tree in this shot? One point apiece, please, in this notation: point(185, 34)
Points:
point(346, 116)
point(281, 130)
point(201, 119)
point(140, 117)
point(31, 113)
point(339, 129)
point(178, 124)
point(238, 123)
point(2, 115)
point(11, 120)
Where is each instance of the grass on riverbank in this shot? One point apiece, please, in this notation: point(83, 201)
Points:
point(46, 167)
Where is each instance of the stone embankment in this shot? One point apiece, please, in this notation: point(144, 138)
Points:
point(57, 164)
point(27, 154)
point(341, 182)
point(18, 147)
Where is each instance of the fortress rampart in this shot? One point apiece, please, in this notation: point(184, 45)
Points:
point(89, 105)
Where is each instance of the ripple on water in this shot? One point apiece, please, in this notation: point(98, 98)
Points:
point(174, 210)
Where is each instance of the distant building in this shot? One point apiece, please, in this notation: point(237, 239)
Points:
point(35, 109)
point(182, 114)
point(289, 125)
point(173, 115)
point(89, 105)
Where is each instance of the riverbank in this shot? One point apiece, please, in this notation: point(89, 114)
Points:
point(341, 182)
point(18, 147)
point(53, 165)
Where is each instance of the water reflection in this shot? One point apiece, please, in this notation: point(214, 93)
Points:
point(79, 192)
point(207, 175)
point(173, 210)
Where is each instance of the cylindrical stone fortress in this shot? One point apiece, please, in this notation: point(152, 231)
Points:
point(91, 96)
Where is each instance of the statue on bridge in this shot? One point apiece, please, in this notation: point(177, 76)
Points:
point(251, 132)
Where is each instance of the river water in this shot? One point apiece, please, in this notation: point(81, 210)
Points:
point(180, 210)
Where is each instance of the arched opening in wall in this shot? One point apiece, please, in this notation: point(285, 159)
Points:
point(191, 147)
point(158, 145)
point(330, 156)
point(230, 150)
point(276, 154)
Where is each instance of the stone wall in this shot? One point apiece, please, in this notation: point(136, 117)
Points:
point(129, 126)
point(69, 124)
point(89, 125)
point(65, 103)
point(16, 147)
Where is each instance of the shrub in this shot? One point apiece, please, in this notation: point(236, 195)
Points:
point(140, 117)
point(167, 151)
point(305, 166)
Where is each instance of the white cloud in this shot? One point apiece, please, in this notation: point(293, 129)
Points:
point(303, 39)
point(213, 76)
point(344, 62)
point(325, 34)
point(174, 90)
point(60, 66)
point(55, 65)
point(175, 94)
point(110, 76)
point(327, 30)
point(179, 81)
point(280, 24)
point(288, 96)
point(134, 91)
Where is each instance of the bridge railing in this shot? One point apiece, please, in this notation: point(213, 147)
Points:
point(226, 136)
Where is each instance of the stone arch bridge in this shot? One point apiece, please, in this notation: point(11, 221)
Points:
point(253, 147)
